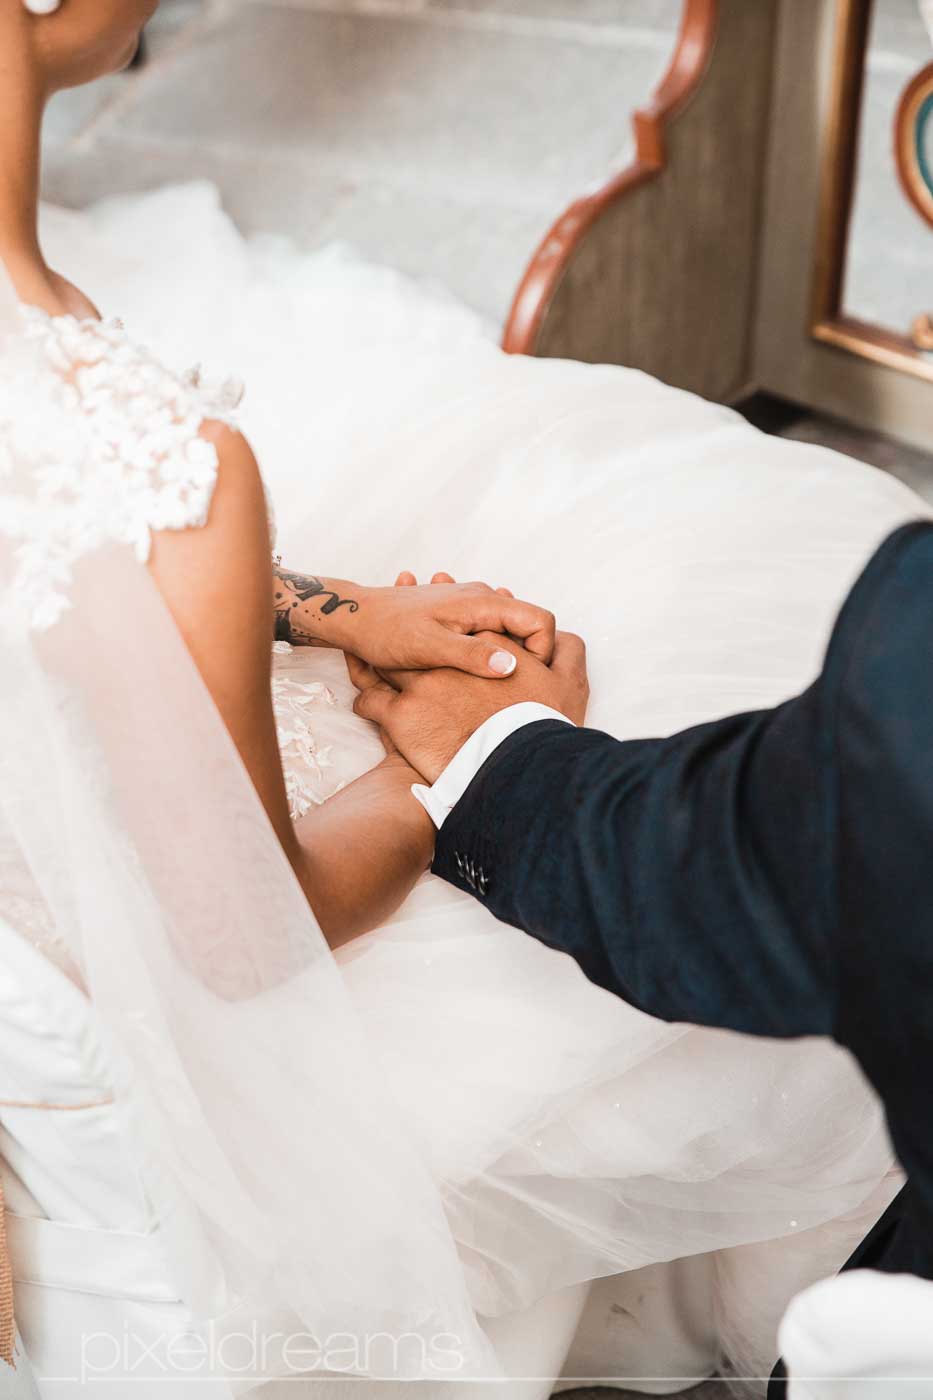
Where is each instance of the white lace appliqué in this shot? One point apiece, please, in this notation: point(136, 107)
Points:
point(99, 443)
point(305, 763)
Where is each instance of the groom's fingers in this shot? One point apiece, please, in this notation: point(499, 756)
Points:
point(406, 579)
point(361, 673)
point(376, 703)
point(569, 671)
point(569, 654)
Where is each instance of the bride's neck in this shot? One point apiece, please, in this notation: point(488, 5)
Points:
point(21, 108)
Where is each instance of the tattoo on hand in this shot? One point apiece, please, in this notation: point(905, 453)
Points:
point(294, 589)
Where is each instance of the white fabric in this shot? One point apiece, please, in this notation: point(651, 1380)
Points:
point(130, 811)
point(112, 445)
point(861, 1336)
point(652, 1330)
point(455, 1115)
point(442, 796)
point(111, 1263)
point(96, 1271)
point(70, 1162)
point(19, 1383)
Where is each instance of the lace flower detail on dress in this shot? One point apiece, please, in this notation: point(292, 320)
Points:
point(305, 763)
point(99, 443)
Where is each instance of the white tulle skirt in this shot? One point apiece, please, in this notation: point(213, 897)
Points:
point(572, 1136)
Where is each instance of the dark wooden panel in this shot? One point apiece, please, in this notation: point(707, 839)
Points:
point(658, 269)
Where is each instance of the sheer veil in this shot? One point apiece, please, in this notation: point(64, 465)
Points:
point(453, 1121)
point(286, 1193)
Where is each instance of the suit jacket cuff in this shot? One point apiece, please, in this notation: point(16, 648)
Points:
point(470, 837)
point(440, 800)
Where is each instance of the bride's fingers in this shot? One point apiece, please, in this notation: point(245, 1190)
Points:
point(505, 592)
point(406, 579)
point(491, 656)
point(500, 612)
point(443, 578)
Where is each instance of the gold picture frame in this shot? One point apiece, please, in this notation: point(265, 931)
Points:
point(830, 324)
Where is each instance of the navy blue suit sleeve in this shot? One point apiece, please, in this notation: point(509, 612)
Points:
point(699, 876)
point(648, 864)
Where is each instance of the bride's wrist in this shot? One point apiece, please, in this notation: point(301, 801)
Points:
point(401, 773)
point(313, 610)
point(395, 763)
point(346, 626)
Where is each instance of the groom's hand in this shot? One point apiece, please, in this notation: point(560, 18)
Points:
point(429, 715)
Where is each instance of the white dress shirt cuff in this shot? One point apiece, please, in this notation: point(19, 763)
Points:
point(440, 800)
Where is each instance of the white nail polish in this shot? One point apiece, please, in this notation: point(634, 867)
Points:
point(503, 663)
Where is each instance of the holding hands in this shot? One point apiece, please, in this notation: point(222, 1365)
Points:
point(441, 624)
point(412, 628)
point(428, 715)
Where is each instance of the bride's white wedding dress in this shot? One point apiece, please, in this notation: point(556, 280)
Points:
point(569, 1136)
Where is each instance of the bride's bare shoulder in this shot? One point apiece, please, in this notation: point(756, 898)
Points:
point(146, 457)
point(173, 477)
point(217, 579)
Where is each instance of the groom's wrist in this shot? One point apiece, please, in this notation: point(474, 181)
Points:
point(440, 798)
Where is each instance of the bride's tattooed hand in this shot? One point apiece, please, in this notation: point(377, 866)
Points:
point(410, 627)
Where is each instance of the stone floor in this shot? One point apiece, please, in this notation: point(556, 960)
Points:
point(441, 136)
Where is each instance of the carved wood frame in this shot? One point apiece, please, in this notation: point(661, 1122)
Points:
point(830, 324)
point(695, 42)
point(916, 95)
